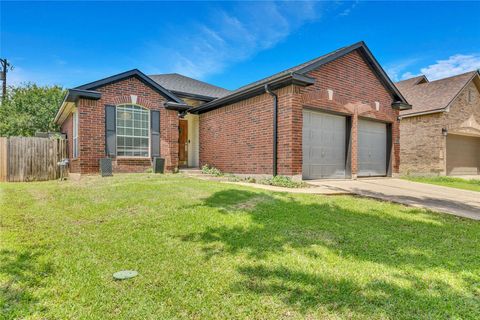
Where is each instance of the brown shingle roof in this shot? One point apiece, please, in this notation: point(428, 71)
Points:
point(180, 83)
point(401, 85)
point(435, 95)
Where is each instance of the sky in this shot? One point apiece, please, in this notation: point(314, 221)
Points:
point(230, 44)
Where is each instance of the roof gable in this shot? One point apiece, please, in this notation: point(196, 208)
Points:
point(411, 82)
point(435, 96)
point(299, 74)
point(132, 73)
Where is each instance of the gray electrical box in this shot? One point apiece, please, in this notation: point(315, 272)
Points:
point(158, 165)
point(106, 167)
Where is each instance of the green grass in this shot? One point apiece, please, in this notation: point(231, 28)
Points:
point(207, 250)
point(453, 182)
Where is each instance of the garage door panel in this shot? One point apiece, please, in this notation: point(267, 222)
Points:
point(323, 145)
point(372, 148)
point(463, 155)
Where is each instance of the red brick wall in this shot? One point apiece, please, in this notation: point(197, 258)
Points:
point(67, 128)
point(92, 126)
point(238, 138)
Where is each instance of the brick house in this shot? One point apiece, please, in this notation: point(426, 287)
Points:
point(440, 135)
point(335, 116)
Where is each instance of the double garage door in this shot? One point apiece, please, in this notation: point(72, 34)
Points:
point(325, 146)
point(463, 155)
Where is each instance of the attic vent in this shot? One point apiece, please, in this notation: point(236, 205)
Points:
point(470, 96)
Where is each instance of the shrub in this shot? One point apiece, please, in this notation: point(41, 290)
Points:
point(212, 171)
point(282, 181)
point(250, 180)
point(233, 178)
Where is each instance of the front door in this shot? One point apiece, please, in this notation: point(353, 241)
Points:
point(182, 142)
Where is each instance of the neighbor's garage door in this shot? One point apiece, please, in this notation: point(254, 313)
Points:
point(463, 155)
point(372, 148)
point(323, 145)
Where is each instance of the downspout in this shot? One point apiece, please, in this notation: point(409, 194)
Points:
point(275, 127)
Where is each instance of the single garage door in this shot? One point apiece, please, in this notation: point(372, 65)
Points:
point(372, 148)
point(324, 143)
point(463, 155)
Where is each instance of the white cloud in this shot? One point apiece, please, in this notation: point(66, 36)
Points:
point(349, 9)
point(408, 75)
point(230, 37)
point(456, 64)
point(396, 71)
point(453, 65)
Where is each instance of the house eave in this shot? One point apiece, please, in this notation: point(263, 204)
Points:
point(72, 96)
point(194, 96)
point(131, 73)
point(401, 106)
point(176, 106)
point(422, 113)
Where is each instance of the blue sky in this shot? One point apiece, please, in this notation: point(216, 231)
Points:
point(231, 43)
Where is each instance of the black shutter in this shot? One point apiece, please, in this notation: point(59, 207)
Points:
point(110, 131)
point(155, 133)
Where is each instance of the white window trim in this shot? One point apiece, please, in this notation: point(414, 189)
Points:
point(149, 133)
point(75, 149)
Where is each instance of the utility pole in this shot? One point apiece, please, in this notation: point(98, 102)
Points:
point(3, 76)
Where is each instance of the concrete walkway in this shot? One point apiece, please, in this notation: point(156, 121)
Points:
point(458, 202)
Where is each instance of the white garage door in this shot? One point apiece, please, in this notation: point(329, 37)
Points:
point(372, 148)
point(463, 155)
point(323, 145)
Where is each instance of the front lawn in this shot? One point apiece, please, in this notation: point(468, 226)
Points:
point(453, 182)
point(207, 250)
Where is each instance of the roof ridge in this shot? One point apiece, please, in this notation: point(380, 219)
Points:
point(293, 68)
point(184, 76)
point(410, 79)
point(454, 76)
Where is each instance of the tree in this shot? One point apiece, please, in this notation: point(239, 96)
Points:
point(29, 108)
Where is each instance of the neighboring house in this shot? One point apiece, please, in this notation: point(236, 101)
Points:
point(335, 116)
point(440, 135)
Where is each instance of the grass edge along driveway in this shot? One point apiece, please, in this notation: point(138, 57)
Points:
point(452, 182)
point(207, 250)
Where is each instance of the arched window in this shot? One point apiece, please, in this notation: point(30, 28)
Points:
point(133, 131)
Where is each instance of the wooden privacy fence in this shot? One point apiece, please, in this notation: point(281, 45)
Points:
point(31, 158)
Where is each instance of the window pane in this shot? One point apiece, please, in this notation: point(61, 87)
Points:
point(132, 131)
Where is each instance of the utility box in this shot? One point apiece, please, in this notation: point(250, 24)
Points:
point(158, 165)
point(106, 167)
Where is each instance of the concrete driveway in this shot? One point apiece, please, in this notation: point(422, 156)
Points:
point(458, 202)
